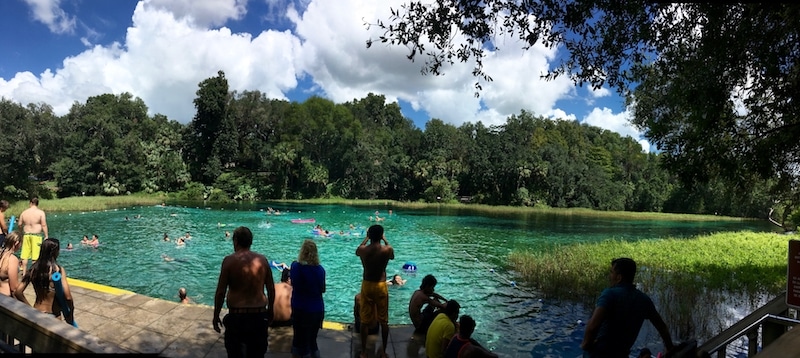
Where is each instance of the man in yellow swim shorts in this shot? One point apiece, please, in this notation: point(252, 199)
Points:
point(34, 225)
point(374, 291)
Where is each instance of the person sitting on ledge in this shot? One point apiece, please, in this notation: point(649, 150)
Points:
point(281, 266)
point(462, 345)
point(41, 277)
point(421, 316)
point(442, 330)
point(283, 301)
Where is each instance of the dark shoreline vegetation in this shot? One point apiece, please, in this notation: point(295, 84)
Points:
point(242, 147)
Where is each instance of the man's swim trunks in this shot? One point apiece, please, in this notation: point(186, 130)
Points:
point(286, 323)
point(246, 334)
point(30, 246)
point(374, 297)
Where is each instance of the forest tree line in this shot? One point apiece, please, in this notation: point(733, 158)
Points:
point(245, 146)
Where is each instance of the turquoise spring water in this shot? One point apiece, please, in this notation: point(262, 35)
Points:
point(466, 252)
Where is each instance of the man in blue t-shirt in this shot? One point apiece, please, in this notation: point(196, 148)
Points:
point(620, 312)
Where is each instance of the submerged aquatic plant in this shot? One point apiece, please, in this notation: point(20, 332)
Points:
point(694, 282)
point(737, 261)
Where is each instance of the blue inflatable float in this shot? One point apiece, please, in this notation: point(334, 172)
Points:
point(410, 266)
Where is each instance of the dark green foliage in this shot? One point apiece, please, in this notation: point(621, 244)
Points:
point(162, 144)
point(193, 191)
point(364, 149)
point(210, 136)
point(712, 85)
point(102, 151)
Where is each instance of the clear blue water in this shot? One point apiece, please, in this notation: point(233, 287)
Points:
point(466, 252)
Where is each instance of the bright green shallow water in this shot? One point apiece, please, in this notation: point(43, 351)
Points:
point(466, 252)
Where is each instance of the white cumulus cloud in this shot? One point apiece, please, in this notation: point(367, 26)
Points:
point(616, 122)
point(162, 61)
point(203, 13)
point(49, 12)
point(173, 45)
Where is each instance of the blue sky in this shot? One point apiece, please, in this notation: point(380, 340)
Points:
point(62, 51)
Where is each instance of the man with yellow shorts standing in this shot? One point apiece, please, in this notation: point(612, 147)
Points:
point(34, 226)
point(374, 292)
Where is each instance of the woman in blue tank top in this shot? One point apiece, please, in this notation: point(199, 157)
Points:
point(308, 308)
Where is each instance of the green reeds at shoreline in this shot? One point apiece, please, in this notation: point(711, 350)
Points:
point(87, 203)
point(482, 209)
point(735, 261)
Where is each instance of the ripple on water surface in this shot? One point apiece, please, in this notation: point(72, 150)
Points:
point(466, 253)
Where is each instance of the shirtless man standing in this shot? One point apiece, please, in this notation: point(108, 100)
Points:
point(374, 291)
point(33, 223)
point(245, 275)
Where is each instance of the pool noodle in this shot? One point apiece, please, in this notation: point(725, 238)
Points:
point(62, 301)
point(11, 223)
point(275, 265)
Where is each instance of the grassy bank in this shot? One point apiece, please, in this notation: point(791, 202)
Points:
point(482, 209)
point(739, 261)
point(87, 203)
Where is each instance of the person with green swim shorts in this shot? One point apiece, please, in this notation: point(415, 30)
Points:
point(34, 226)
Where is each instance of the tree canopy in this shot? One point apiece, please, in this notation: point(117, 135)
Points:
point(245, 146)
point(711, 85)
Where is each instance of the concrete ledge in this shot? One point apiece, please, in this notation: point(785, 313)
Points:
point(46, 334)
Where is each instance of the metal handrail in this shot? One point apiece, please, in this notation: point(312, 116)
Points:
point(769, 312)
point(786, 321)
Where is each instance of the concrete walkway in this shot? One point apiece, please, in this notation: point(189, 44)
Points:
point(131, 323)
point(141, 324)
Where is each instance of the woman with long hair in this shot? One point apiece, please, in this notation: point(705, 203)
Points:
point(41, 277)
point(9, 264)
point(308, 309)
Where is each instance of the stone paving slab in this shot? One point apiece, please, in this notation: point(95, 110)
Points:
point(146, 325)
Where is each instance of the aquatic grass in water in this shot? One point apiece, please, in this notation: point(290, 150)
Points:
point(87, 203)
point(734, 260)
point(91, 203)
point(681, 275)
point(491, 210)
